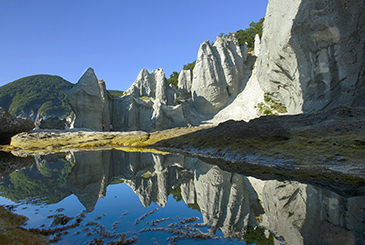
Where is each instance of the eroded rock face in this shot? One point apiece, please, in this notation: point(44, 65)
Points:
point(153, 85)
point(312, 54)
point(53, 123)
point(10, 126)
point(131, 113)
point(145, 85)
point(217, 75)
point(89, 100)
point(184, 84)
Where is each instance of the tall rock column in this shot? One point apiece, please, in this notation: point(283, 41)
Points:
point(184, 84)
point(217, 74)
point(162, 85)
point(105, 116)
point(89, 102)
point(313, 54)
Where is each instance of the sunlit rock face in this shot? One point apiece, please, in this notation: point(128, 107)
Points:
point(136, 112)
point(217, 74)
point(90, 102)
point(131, 113)
point(312, 54)
point(184, 84)
point(153, 85)
point(149, 104)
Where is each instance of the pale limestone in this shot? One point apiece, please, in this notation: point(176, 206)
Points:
point(312, 54)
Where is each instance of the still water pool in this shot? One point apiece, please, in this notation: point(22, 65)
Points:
point(106, 196)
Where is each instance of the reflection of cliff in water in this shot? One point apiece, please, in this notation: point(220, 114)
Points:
point(231, 202)
point(300, 213)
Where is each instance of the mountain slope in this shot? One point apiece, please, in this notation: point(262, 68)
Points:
point(36, 96)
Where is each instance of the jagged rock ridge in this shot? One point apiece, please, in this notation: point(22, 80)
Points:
point(311, 57)
point(222, 73)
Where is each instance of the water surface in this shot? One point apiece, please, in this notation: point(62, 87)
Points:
point(152, 198)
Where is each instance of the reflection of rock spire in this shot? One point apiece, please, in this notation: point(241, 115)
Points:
point(90, 177)
point(300, 213)
point(224, 200)
point(304, 214)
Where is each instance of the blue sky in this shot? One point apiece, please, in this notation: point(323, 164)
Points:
point(116, 38)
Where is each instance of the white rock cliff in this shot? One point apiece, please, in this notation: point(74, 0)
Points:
point(313, 54)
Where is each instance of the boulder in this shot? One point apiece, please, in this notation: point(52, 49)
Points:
point(10, 126)
point(90, 102)
point(217, 75)
point(312, 54)
point(52, 123)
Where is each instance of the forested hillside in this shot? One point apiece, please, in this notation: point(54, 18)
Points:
point(38, 94)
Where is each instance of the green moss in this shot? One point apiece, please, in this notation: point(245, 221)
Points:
point(146, 98)
point(148, 175)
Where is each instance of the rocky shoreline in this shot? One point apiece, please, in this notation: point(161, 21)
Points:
point(325, 149)
point(322, 147)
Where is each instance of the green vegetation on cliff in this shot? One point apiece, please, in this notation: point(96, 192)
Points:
point(116, 92)
point(248, 35)
point(174, 78)
point(42, 94)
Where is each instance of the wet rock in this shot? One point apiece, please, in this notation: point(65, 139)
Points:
point(153, 85)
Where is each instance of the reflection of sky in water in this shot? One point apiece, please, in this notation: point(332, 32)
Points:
point(119, 199)
point(235, 206)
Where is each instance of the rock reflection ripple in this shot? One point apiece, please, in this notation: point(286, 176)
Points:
point(298, 213)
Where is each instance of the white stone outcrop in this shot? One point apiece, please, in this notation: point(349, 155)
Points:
point(145, 85)
point(217, 74)
point(312, 54)
point(89, 100)
point(257, 45)
point(184, 84)
point(132, 113)
point(153, 85)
